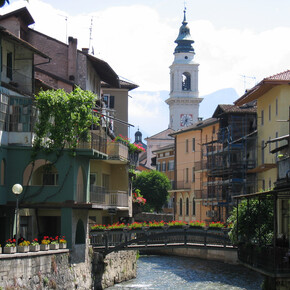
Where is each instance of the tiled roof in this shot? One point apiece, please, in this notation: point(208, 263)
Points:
point(283, 76)
point(238, 109)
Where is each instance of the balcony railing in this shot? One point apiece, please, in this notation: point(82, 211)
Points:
point(117, 151)
point(181, 185)
point(102, 196)
point(267, 258)
point(97, 143)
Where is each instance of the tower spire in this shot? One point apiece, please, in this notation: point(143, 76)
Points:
point(184, 40)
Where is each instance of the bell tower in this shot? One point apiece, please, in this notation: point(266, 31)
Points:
point(184, 98)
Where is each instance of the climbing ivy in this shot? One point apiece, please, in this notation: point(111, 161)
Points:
point(64, 118)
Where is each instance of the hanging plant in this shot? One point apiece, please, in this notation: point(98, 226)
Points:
point(64, 118)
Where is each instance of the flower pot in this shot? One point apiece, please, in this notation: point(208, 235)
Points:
point(9, 250)
point(54, 246)
point(62, 245)
point(0, 250)
point(44, 247)
point(23, 249)
point(34, 248)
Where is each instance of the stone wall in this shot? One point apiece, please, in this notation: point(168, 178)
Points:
point(114, 268)
point(226, 256)
point(54, 270)
point(43, 270)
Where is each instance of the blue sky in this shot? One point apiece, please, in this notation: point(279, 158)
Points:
point(136, 37)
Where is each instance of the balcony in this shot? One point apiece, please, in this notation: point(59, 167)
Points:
point(181, 185)
point(117, 151)
point(108, 198)
point(96, 142)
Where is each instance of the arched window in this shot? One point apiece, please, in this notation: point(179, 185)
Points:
point(80, 233)
point(45, 175)
point(180, 206)
point(3, 168)
point(186, 82)
point(193, 207)
point(187, 206)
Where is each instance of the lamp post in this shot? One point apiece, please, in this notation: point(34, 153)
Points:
point(17, 189)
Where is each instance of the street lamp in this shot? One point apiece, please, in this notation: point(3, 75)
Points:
point(17, 189)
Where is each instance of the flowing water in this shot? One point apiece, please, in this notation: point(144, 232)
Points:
point(171, 272)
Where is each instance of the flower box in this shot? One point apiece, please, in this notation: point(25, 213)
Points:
point(44, 247)
point(62, 245)
point(34, 248)
point(54, 246)
point(23, 249)
point(9, 250)
point(0, 250)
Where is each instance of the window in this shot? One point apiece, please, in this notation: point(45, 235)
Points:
point(263, 184)
point(193, 174)
point(186, 145)
point(269, 112)
point(186, 175)
point(163, 166)
point(187, 206)
point(180, 206)
point(276, 106)
point(213, 129)
point(270, 183)
point(9, 65)
point(49, 178)
point(171, 165)
point(158, 167)
point(109, 101)
point(262, 117)
point(193, 144)
point(186, 83)
point(263, 152)
point(193, 207)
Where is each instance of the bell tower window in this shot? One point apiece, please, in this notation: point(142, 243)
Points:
point(186, 84)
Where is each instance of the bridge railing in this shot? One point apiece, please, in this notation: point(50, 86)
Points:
point(115, 240)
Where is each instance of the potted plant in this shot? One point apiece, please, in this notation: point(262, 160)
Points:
point(136, 226)
point(177, 224)
point(98, 227)
point(10, 247)
point(216, 225)
point(54, 244)
point(34, 246)
point(23, 246)
point(62, 243)
point(116, 226)
point(156, 225)
point(196, 224)
point(44, 246)
point(0, 249)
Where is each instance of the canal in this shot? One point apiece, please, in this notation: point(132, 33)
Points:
point(171, 272)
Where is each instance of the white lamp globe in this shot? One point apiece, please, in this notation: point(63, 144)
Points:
point(17, 189)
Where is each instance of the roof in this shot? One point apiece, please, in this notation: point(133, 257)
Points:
point(232, 109)
point(165, 148)
point(105, 72)
point(22, 13)
point(157, 135)
point(196, 126)
point(263, 87)
point(22, 42)
point(124, 84)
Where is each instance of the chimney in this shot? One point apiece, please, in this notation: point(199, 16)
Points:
point(72, 58)
point(85, 50)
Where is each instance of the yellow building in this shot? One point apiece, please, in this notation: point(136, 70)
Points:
point(190, 177)
point(272, 95)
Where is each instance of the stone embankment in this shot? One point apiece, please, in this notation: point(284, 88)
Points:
point(54, 270)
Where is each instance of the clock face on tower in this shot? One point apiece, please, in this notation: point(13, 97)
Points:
point(186, 120)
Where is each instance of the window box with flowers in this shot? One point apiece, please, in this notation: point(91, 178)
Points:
point(10, 247)
point(23, 246)
point(34, 246)
point(177, 224)
point(196, 224)
point(217, 226)
point(0, 249)
point(44, 246)
point(54, 244)
point(62, 243)
point(138, 201)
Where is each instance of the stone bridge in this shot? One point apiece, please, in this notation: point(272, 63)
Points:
point(153, 238)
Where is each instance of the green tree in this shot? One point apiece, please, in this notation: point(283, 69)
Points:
point(64, 118)
point(255, 221)
point(154, 186)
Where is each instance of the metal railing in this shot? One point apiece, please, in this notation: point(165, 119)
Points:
point(165, 237)
point(102, 196)
point(96, 142)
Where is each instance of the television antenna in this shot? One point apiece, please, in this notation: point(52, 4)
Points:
point(65, 17)
point(245, 80)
